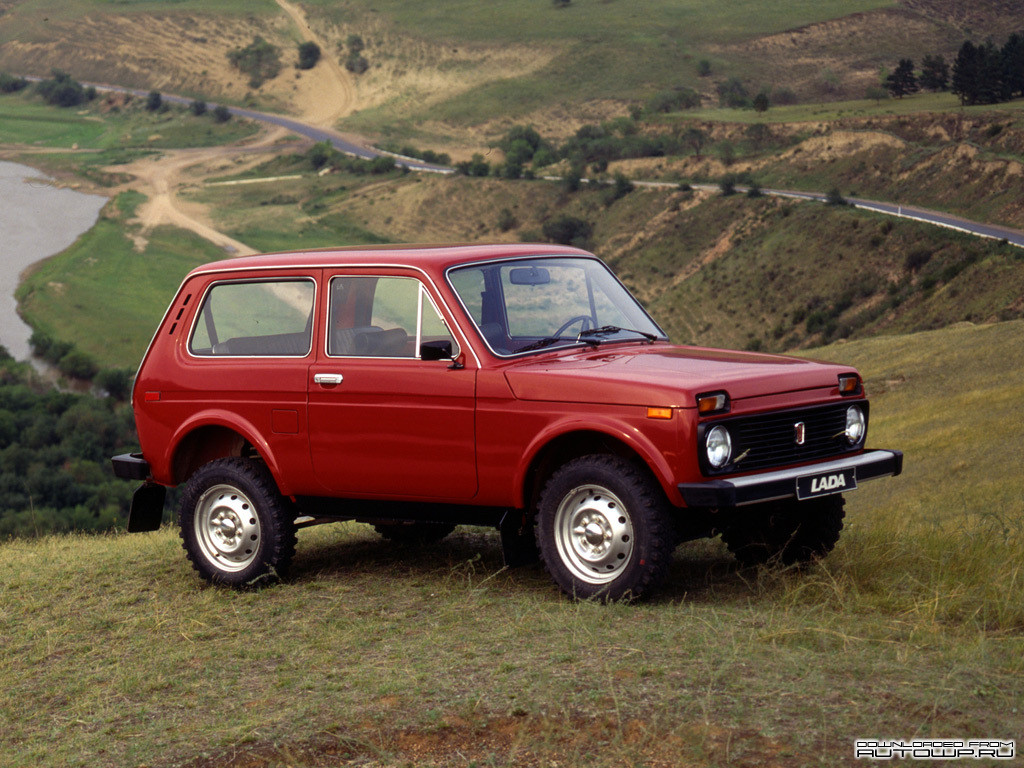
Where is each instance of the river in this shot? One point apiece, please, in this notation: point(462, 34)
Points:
point(37, 220)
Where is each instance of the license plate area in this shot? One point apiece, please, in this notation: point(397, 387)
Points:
point(826, 483)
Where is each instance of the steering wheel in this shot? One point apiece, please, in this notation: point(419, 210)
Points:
point(584, 319)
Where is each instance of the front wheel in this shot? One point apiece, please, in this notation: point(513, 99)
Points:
point(604, 529)
point(236, 527)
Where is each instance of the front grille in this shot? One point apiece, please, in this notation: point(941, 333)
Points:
point(769, 439)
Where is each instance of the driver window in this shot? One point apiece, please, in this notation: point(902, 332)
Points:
point(382, 317)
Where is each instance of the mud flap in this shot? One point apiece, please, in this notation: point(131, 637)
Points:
point(147, 508)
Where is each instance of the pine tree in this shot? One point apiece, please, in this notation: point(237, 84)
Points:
point(902, 81)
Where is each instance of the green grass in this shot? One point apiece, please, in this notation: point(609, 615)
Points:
point(105, 296)
point(25, 119)
point(115, 653)
point(678, 23)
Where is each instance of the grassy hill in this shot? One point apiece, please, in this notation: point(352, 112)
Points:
point(116, 654)
point(468, 66)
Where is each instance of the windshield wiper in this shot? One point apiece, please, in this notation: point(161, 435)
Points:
point(606, 330)
point(546, 342)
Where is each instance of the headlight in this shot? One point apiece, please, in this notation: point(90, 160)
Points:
point(718, 445)
point(855, 425)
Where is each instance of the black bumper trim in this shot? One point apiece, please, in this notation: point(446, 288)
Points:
point(781, 484)
point(130, 466)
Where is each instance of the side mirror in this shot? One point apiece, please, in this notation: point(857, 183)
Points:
point(436, 350)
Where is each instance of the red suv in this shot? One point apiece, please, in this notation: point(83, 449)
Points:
point(515, 386)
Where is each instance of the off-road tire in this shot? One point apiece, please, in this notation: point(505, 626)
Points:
point(788, 532)
point(604, 529)
point(415, 534)
point(235, 526)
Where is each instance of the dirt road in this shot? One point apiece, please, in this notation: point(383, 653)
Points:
point(325, 94)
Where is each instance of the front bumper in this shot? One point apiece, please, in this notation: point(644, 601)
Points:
point(782, 483)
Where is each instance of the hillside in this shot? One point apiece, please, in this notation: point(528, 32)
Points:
point(464, 71)
point(116, 654)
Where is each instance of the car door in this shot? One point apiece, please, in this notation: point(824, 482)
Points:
point(387, 420)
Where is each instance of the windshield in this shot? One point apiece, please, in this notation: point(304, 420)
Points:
point(528, 304)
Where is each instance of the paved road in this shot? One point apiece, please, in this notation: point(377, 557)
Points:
point(938, 218)
point(339, 142)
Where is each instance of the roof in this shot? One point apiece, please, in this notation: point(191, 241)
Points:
point(434, 257)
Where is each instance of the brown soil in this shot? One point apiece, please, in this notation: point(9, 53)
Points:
point(321, 96)
point(529, 741)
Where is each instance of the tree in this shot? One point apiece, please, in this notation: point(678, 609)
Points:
point(568, 230)
point(221, 113)
point(695, 138)
point(198, 107)
point(154, 101)
point(309, 55)
point(934, 73)
point(966, 82)
point(761, 102)
point(732, 93)
point(476, 166)
point(1013, 66)
point(902, 81)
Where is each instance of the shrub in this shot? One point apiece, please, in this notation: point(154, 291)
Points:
point(221, 114)
point(835, 197)
point(78, 365)
point(477, 166)
point(309, 55)
point(11, 84)
point(674, 100)
point(61, 90)
point(116, 382)
point(260, 60)
point(506, 220)
point(356, 64)
point(568, 230)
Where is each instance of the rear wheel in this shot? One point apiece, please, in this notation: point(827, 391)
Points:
point(789, 532)
point(604, 529)
point(236, 527)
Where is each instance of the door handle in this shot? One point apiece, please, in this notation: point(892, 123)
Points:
point(328, 379)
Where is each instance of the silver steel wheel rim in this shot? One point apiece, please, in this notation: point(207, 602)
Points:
point(227, 528)
point(593, 534)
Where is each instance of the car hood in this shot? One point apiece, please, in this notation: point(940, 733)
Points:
point(664, 375)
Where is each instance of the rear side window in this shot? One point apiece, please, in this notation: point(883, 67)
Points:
point(270, 318)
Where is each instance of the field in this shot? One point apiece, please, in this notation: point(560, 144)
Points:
point(372, 654)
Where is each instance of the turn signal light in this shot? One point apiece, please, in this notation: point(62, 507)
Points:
point(713, 402)
point(659, 413)
point(849, 384)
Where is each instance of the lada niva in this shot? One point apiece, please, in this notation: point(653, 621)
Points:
point(514, 386)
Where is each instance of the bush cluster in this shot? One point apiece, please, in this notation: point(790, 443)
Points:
point(260, 60)
point(62, 90)
point(323, 155)
point(55, 447)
